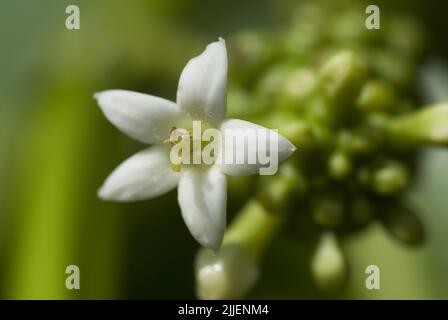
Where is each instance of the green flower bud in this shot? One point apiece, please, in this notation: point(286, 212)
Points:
point(376, 96)
point(299, 84)
point(229, 274)
point(339, 165)
point(350, 127)
point(343, 75)
point(276, 193)
point(361, 140)
point(390, 178)
point(351, 143)
point(291, 127)
point(403, 224)
point(427, 125)
point(328, 264)
point(299, 133)
point(254, 228)
point(328, 210)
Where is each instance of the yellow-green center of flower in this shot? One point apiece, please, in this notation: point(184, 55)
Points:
point(195, 144)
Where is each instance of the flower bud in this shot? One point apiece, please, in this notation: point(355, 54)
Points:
point(339, 165)
point(231, 272)
point(298, 85)
point(292, 128)
point(343, 74)
point(328, 265)
point(360, 140)
point(226, 275)
point(427, 125)
point(376, 96)
point(403, 224)
point(299, 133)
point(276, 193)
point(390, 178)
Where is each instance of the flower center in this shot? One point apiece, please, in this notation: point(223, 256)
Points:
point(193, 146)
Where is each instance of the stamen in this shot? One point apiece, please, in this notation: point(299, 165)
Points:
point(176, 167)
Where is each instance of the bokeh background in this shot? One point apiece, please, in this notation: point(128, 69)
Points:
point(56, 148)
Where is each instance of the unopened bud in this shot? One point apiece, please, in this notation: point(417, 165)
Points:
point(428, 125)
point(343, 74)
point(298, 85)
point(291, 127)
point(404, 225)
point(276, 193)
point(376, 96)
point(226, 275)
point(392, 177)
point(339, 165)
point(328, 264)
point(230, 273)
point(360, 140)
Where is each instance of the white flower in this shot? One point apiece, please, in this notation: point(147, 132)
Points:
point(202, 194)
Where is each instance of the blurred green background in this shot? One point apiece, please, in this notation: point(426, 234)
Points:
point(56, 148)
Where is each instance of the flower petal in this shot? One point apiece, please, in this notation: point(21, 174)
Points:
point(144, 175)
point(202, 196)
point(242, 140)
point(141, 116)
point(202, 90)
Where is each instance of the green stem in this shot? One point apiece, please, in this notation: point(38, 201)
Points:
point(254, 228)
